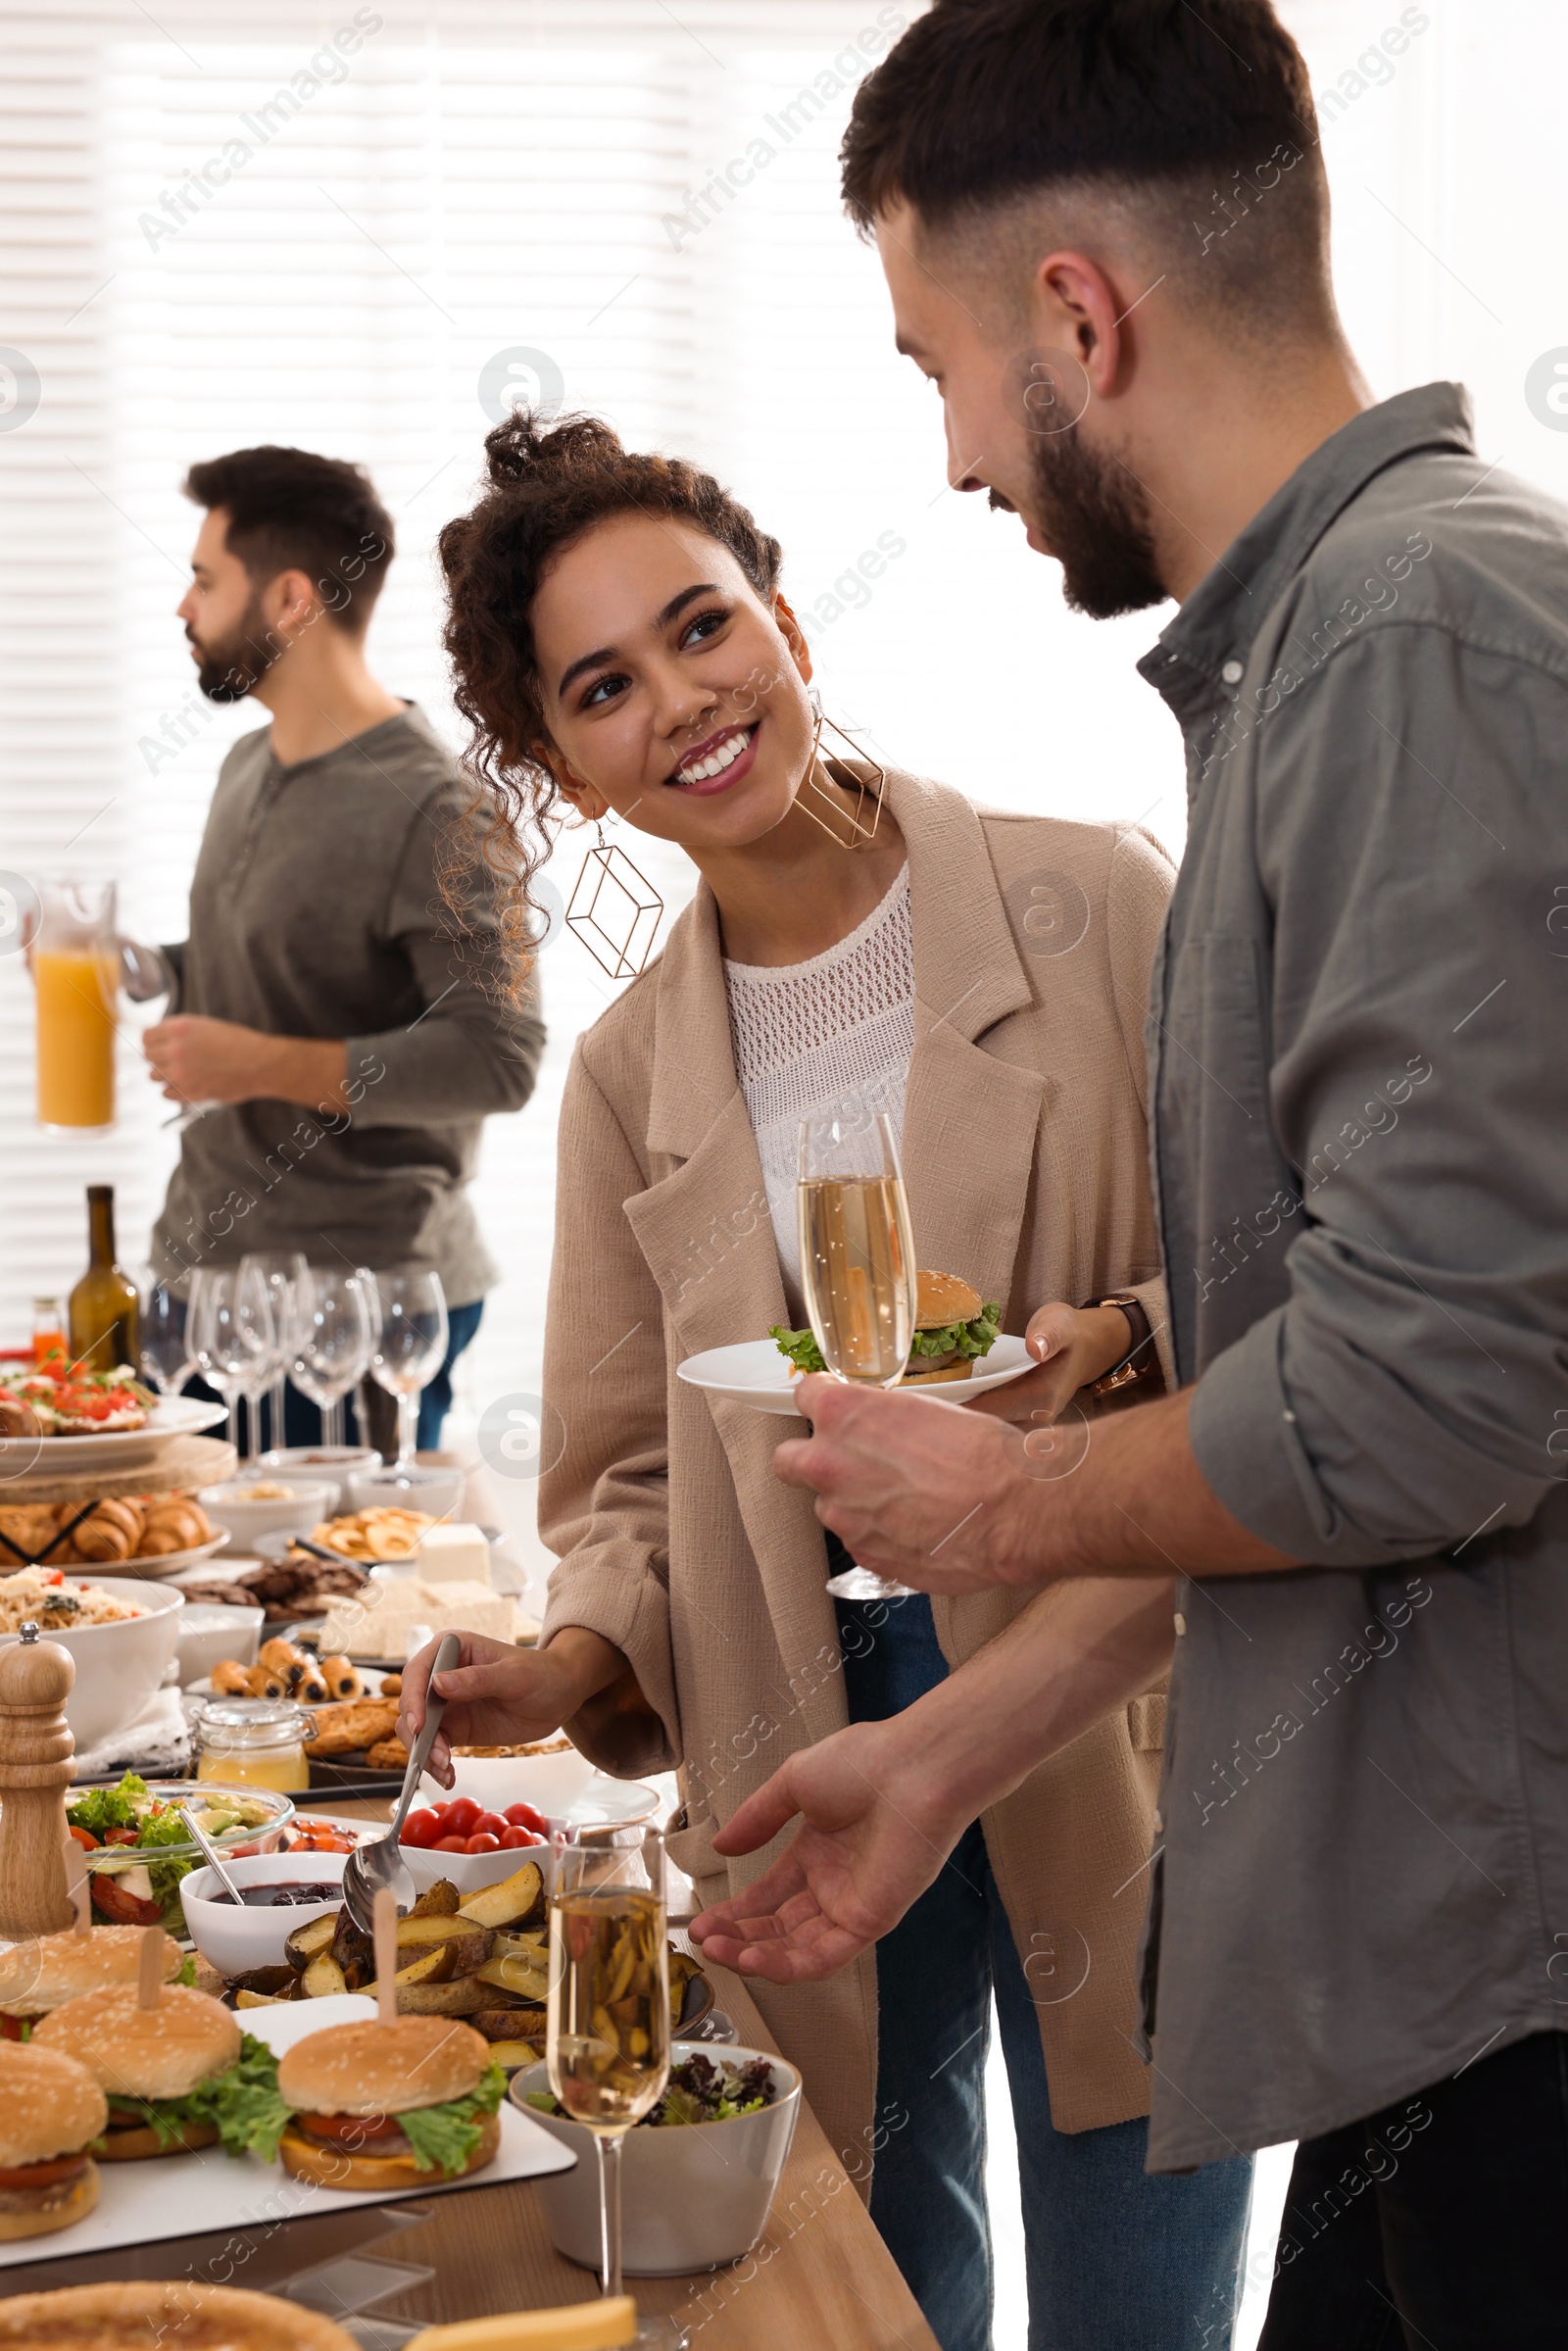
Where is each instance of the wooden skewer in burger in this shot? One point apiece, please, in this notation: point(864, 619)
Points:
point(161, 2053)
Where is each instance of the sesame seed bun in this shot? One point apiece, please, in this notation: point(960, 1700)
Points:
point(44, 1971)
point(161, 2053)
point(383, 2069)
point(942, 1297)
point(49, 2105)
point(132, 2314)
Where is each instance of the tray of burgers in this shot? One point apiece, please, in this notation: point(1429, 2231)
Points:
point(135, 2106)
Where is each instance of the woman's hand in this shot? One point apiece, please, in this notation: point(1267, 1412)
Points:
point(497, 1694)
point(1073, 1345)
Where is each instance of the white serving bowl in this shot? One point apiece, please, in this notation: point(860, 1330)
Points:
point(207, 1634)
point(233, 1941)
point(552, 1783)
point(467, 1872)
point(294, 1513)
point(118, 1666)
point(691, 2197)
point(329, 1465)
point(438, 1492)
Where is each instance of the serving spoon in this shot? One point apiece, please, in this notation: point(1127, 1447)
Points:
point(214, 1860)
point(383, 1864)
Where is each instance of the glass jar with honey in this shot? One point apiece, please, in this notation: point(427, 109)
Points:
point(255, 1743)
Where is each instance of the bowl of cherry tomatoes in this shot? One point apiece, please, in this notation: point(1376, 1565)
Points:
point(463, 1841)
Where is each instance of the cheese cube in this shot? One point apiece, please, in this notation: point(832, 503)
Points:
point(377, 1621)
point(456, 1554)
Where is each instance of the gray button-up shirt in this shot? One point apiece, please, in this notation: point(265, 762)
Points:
point(1359, 1034)
point(318, 909)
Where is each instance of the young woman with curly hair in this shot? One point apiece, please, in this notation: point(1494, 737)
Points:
point(622, 649)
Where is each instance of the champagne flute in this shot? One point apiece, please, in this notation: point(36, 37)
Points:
point(607, 2027)
point(231, 1336)
point(287, 1277)
point(411, 1345)
point(858, 1270)
point(335, 1340)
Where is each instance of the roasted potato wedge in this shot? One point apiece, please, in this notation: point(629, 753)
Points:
point(309, 1941)
point(514, 2054)
point(323, 1977)
point(439, 1900)
point(256, 2000)
point(469, 1946)
point(516, 1976)
point(518, 2024)
point(459, 1998)
point(266, 1982)
point(432, 1966)
point(353, 1949)
point(511, 1903)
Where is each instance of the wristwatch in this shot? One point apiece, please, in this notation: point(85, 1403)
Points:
point(1141, 1359)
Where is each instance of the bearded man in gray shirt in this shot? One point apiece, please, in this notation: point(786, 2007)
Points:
point(342, 995)
point(1105, 230)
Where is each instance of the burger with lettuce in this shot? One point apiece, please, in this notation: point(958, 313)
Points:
point(953, 1331)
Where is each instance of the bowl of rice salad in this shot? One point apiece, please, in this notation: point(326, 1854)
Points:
point(121, 1639)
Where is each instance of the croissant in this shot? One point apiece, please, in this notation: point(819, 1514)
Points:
point(30, 1525)
point(171, 1530)
point(112, 1532)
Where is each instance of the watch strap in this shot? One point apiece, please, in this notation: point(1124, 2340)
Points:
point(1141, 1362)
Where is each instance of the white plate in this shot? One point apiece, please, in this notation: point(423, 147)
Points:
point(188, 2195)
point(117, 1448)
point(159, 1564)
point(755, 1373)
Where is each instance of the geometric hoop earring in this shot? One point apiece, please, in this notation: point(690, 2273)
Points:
point(614, 911)
point(841, 774)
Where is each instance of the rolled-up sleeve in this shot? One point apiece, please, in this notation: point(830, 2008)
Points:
point(603, 1506)
point(474, 1047)
point(1408, 1395)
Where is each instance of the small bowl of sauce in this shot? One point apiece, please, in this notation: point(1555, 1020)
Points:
point(279, 1891)
point(317, 1893)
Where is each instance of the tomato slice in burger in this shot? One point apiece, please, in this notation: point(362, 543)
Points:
point(352, 2129)
point(43, 2175)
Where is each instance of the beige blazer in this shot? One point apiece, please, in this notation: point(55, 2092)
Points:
point(1025, 1153)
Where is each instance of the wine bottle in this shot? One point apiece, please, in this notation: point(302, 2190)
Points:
point(104, 1302)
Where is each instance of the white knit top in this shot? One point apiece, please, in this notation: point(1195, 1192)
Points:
point(806, 1033)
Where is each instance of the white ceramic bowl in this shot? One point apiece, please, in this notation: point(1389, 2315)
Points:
point(293, 1513)
point(691, 2198)
point(327, 1465)
point(118, 1666)
point(439, 1491)
point(207, 1634)
point(232, 1940)
point(551, 1783)
point(467, 1872)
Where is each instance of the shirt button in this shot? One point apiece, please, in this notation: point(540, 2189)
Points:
point(1181, 1622)
point(1232, 673)
point(1159, 1823)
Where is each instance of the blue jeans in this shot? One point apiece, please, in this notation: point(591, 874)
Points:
point(1117, 2260)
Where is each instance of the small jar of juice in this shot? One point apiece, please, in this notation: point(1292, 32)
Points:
point(256, 1743)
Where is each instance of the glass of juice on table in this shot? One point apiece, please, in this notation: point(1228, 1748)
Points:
point(75, 976)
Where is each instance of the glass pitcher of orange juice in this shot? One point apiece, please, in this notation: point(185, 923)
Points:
point(75, 973)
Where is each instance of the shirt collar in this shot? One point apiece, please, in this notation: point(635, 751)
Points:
point(1212, 633)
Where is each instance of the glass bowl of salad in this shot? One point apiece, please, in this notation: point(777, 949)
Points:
point(139, 1852)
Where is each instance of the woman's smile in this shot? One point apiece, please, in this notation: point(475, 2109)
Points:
point(719, 760)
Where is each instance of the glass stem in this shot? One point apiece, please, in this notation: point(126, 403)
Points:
point(609, 2143)
point(276, 1416)
point(232, 1401)
point(407, 1426)
point(332, 1422)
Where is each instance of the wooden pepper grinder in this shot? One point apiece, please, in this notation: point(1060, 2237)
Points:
point(35, 1768)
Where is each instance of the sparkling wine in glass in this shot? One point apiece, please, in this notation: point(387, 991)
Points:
point(858, 1269)
point(607, 2029)
point(335, 1340)
point(411, 1345)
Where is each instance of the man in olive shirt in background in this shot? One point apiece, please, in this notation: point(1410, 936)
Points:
point(353, 1029)
point(1105, 230)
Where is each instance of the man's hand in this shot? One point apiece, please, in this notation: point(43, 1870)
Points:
point(497, 1695)
point(200, 1060)
point(918, 1488)
point(1072, 1345)
point(866, 1849)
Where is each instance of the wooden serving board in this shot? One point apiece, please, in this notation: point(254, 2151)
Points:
point(183, 1465)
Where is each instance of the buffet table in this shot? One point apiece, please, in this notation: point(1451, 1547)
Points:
point(821, 2275)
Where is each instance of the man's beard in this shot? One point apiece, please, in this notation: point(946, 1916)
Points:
point(1094, 516)
point(228, 671)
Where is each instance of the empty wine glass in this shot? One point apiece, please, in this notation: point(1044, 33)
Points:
point(334, 1343)
point(163, 1322)
point(411, 1345)
point(231, 1336)
point(287, 1277)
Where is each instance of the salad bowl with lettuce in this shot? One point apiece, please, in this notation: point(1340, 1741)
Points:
point(139, 1852)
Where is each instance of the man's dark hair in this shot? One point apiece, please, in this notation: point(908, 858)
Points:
point(1205, 112)
point(289, 511)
